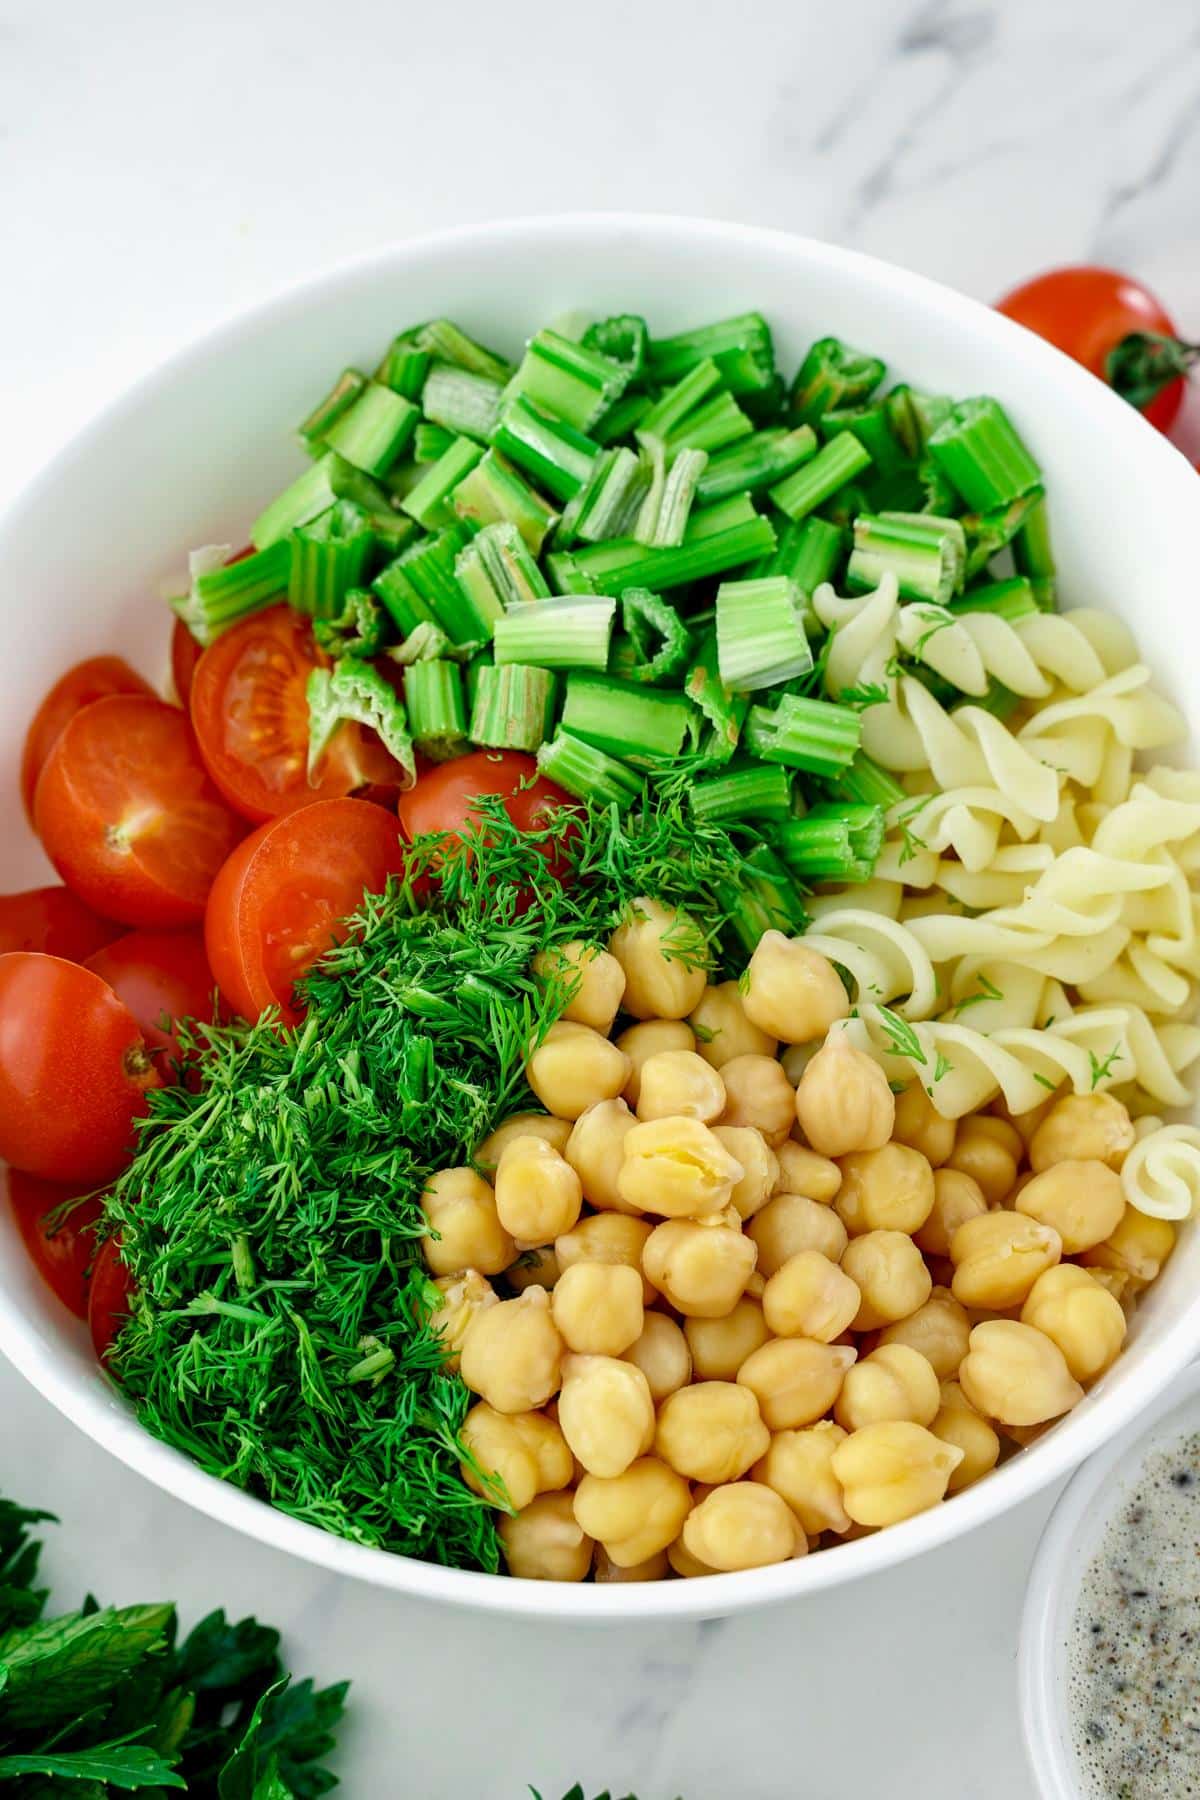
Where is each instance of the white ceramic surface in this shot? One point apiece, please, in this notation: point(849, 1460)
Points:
point(1070, 1540)
point(1121, 504)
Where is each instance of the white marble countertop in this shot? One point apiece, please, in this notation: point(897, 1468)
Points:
point(161, 166)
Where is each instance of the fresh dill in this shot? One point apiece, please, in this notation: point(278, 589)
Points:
point(862, 695)
point(1102, 1070)
point(942, 1066)
point(902, 1039)
point(1044, 1081)
point(987, 990)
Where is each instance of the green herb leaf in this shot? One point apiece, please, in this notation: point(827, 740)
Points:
point(123, 1766)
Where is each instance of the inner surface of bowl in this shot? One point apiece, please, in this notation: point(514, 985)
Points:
point(190, 456)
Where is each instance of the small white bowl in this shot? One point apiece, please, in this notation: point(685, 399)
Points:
point(191, 454)
point(1070, 1540)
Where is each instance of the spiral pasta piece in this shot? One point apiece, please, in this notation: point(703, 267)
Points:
point(1161, 1174)
point(884, 960)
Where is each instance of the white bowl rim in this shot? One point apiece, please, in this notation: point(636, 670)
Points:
point(719, 1595)
point(1041, 1698)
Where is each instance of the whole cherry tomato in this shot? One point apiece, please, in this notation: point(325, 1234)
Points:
point(87, 681)
point(53, 919)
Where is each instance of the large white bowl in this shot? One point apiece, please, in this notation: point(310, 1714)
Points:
point(189, 456)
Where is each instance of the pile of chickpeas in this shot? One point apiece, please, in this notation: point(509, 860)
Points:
point(729, 1299)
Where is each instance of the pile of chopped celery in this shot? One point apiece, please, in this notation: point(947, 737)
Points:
point(604, 554)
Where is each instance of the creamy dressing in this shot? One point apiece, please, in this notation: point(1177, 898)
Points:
point(1133, 1669)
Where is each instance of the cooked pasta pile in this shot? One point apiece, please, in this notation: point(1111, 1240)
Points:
point(1033, 917)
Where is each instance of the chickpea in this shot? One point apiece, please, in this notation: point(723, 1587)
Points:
point(605, 1412)
point(893, 1382)
point(843, 1102)
point(744, 1525)
point(791, 991)
point(525, 1451)
point(998, 1257)
point(596, 1151)
point(956, 1198)
point(719, 1347)
point(701, 1267)
point(598, 1308)
point(802, 1171)
point(1016, 1374)
point(795, 1380)
point(1025, 1123)
point(760, 1167)
point(684, 1563)
point(711, 1431)
point(722, 1029)
point(891, 1277)
point(758, 1094)
point(893, 1470)
point(653, 1568)
point(533, 1268)
point(462, 1297)
point(990, 1151)
point(573, 1067)
point(809, 1296)
point(512, 1353)
point(680, 1084)
point(538, 1195)
point(799, 1466)
point(959, 1424)
point(664, 955)
point(1117, 1282)
point(464, 1230)
point(636, 1514)
point(663, 1354)
point(885, 1190)
point(1082, 1201)
point(921, 1126)
point(545, 1541)
point(640, 1042)
point(522, 1124)
point(677, 1168)
point(793, 1060)
point(1078, 1315)
point(940, 1330)
point(791, 1223)
point(1082, 1128)
point(1140, 1245)
point(607, 1238)
point(595, 979)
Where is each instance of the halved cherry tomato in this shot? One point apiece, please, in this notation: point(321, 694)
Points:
point(74, 1071)
point(250, 710)
point(185, 654)
point(280, 900)
point(443, 800)
point(161, 976)
point(53, 919)
point(110, 1290)
point(87, 681)
point(127, 815)
point(1113, 326)
point(62, 1256)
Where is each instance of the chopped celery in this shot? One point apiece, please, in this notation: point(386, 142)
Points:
point(623, 339)
point(740, 347)
point(1011, 600)
point(815, 735)
point(864, 781)
point(330, 478)
point(359, 629)
point(588, 773)
point(625, 718)
point(430, 442)
point(807, 552)
point(222, 592)
point(719, 422)
point(1034, 556)
point(448, 343)
point(462, 402)
point(756, 462)
point(987, 533)
point(764, 898)
point(609, 503)
point(760, 792)
point(420, 585)
point(832, 375)
point(433, 693)
point(568, 380)
point(373, 432)
point(426, 642)
point(661, 641)
point(979, 450)
point(568, 633)
point(355, 691)
point(493, 492)
point(559, 458)
point(838, 462)
point(718, 538)
point(872, 426)
point(404, 369)
point(915, 416)
point(428, 501)
point(761, 641)
point(927, 555)
point(668, 413)
point(497, 570)
point(723, 711)
point(833, 843)
point(340, 398)
point(513, 706)
point(329, 556)
point(622, 418)
point(662, 517)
